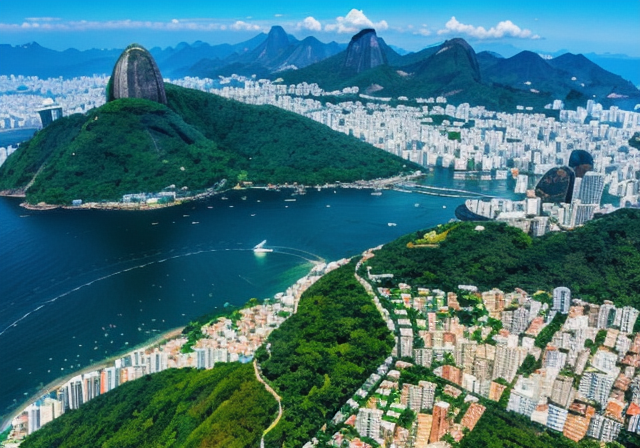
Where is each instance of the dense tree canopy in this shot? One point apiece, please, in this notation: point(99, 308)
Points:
point(277, 146)
point(320, 356)
point(599, 261)
point(225, 407)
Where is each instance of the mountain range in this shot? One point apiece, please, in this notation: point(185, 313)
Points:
point(452, 69)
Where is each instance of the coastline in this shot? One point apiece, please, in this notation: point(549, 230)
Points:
point(158, 340)
point(58, 382)
point(136, 206)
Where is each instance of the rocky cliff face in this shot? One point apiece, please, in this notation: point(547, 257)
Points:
point(276, 43)
point(364, 52)
point(136, 75)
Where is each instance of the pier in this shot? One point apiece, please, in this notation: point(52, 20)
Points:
point(412, 187)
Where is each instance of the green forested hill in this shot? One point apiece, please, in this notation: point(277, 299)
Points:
point(134, 145)
point(277, 146)
point(320, 356)
point(599, 261)
point(125, 146)
point(224, 408)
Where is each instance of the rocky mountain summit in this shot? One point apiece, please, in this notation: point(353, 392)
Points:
point(136, 75)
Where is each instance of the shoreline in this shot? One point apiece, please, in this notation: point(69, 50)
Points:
point(58, 382)
point(359, 184)
point(107, 362)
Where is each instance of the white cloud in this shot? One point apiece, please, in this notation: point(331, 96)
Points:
point(354, 22)
point(423, 31)
point(42, 19)
point(310, 24)
point(505, 28)
point(35, 24)
point(277, 15)
point(244, 26)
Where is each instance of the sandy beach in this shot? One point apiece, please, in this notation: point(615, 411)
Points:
point(107, 362)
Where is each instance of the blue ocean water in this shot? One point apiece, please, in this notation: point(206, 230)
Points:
point(77, 286)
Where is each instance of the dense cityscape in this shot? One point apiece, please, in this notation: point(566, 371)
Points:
point(563, 363)
point(477, 143)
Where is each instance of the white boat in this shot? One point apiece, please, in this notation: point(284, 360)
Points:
point(391, 224)
point(260, 249)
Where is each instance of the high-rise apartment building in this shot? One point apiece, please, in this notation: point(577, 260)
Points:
point(368, 423)
point(561, 299)
point(591, 188)
point(439, 425)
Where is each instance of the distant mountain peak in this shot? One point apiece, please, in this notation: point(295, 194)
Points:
point(364, 52)
point(363, 33)
point(459, 41)
point(454, 57)
point(276, 32)
point(33, 44)
point(276, 42)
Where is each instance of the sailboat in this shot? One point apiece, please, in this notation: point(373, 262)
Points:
point(260, 249)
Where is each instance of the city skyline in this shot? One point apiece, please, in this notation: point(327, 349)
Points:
point(545, 26)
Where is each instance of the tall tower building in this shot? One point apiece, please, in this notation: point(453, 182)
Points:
point(561, 299)
point(563, 392)
point(368, 423)
point(628, 319)
point(428, 394)
point(439, 426)
point(591, 188)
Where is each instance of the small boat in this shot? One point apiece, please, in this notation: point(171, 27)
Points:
point(444, 206)
point(260, 249)
point(289, 200)
point(376, 193)
point(195, 222)
point(391, 224)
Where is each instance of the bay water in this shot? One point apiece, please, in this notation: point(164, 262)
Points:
point(78, 286)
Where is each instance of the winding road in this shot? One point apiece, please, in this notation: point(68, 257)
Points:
point(275, 395)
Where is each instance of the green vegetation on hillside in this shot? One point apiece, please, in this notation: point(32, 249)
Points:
point(134, 146)
point(224, 407)
point(277, 146)
point(125, 146)
point(599, 261)
point(23, 165)
point(450, 73)
point(320, 356)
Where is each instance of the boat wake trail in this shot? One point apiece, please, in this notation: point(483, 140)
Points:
point(161, 258)
point(107, 276)
point(298, 253)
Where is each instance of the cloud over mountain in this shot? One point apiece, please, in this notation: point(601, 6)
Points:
point(354, 22)
point(310, 24)
point(506, 28)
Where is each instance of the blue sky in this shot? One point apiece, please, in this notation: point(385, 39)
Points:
point(579, 26)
